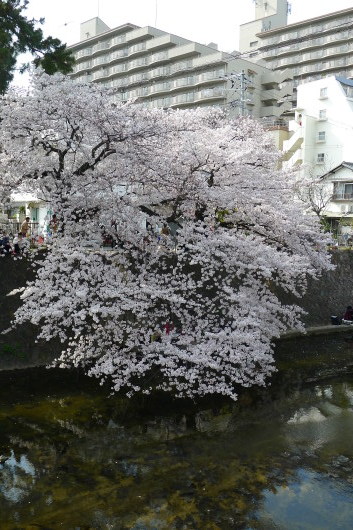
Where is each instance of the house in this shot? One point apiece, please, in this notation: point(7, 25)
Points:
point(339, 210)
point(22, 205)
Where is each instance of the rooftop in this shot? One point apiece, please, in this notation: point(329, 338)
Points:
point(308, 21)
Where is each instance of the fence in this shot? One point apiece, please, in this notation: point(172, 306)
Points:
point(13, 227)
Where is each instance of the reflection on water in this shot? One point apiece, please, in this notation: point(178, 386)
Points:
point(311, 500)
point(73, 457)
point(16, 477)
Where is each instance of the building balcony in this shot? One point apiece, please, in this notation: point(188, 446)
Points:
point(118, 40)
point(270, 111)
point(160, 57)
point(82, 67)
point(86, 52)
point(210, 94)
point(342, 196)
point(138, 34)
point(270, 95)
point(163, 41)
point(183, 99)
point(160, 88)
point(182, 52)
point(213, 59)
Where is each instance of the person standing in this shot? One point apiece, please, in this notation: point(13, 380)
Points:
point(348, 314)
point(5, 247)
point(17, 243)
point(25, 227)
point(53, 225)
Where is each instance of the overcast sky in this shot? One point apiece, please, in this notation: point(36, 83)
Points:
point(198, 20)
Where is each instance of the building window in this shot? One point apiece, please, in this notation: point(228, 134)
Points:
point(323, 93)
point(348, 91)
point(343, 190)
point(321, 136)
point(320, 158)
point(322, 114)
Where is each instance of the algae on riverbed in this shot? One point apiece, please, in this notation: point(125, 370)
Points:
point(75, 457)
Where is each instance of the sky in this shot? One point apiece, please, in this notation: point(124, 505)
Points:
point(197, 20)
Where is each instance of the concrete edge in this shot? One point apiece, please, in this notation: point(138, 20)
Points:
point(318, 330)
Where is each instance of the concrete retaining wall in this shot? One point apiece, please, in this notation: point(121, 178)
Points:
point(328, 296)
point(19, 347)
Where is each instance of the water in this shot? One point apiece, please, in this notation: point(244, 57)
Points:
point(74, 457)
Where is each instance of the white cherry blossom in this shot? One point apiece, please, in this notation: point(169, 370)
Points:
point(235, 240)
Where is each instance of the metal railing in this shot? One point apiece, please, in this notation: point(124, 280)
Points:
point(14, 227)
point(270, 123)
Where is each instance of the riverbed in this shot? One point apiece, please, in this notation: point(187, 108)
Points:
point(73, 456)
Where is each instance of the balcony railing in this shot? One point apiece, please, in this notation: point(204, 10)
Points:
point(274, 123)
point(342, 196)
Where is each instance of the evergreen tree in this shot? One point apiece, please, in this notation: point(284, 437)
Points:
point(18, 35)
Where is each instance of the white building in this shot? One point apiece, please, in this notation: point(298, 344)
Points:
point(321, 145)
point(22, 205)
point(322, 131)
point(164, 70)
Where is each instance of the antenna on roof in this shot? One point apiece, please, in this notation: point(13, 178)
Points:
point(97, 8)
point(155, 19)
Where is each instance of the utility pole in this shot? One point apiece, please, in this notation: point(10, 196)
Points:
point(239, 83)
point(156, 14)
point(242, 93)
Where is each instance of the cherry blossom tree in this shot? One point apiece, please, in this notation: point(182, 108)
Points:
point(313, 191)
point(192, 308)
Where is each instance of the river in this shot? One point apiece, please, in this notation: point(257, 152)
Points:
point(74, 457)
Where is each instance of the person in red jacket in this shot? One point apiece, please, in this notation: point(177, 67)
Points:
point(349, 313)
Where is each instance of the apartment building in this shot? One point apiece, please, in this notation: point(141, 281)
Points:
point(164, 70)
point(269, 14)
point(307, 50)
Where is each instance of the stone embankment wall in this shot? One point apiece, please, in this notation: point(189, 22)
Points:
point(19, 348)
point(328, 296)
point(332, 293)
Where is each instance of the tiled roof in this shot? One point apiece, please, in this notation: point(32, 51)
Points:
point(348, 165)
point(345, 81)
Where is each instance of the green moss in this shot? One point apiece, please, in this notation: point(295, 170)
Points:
point(12, 349)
